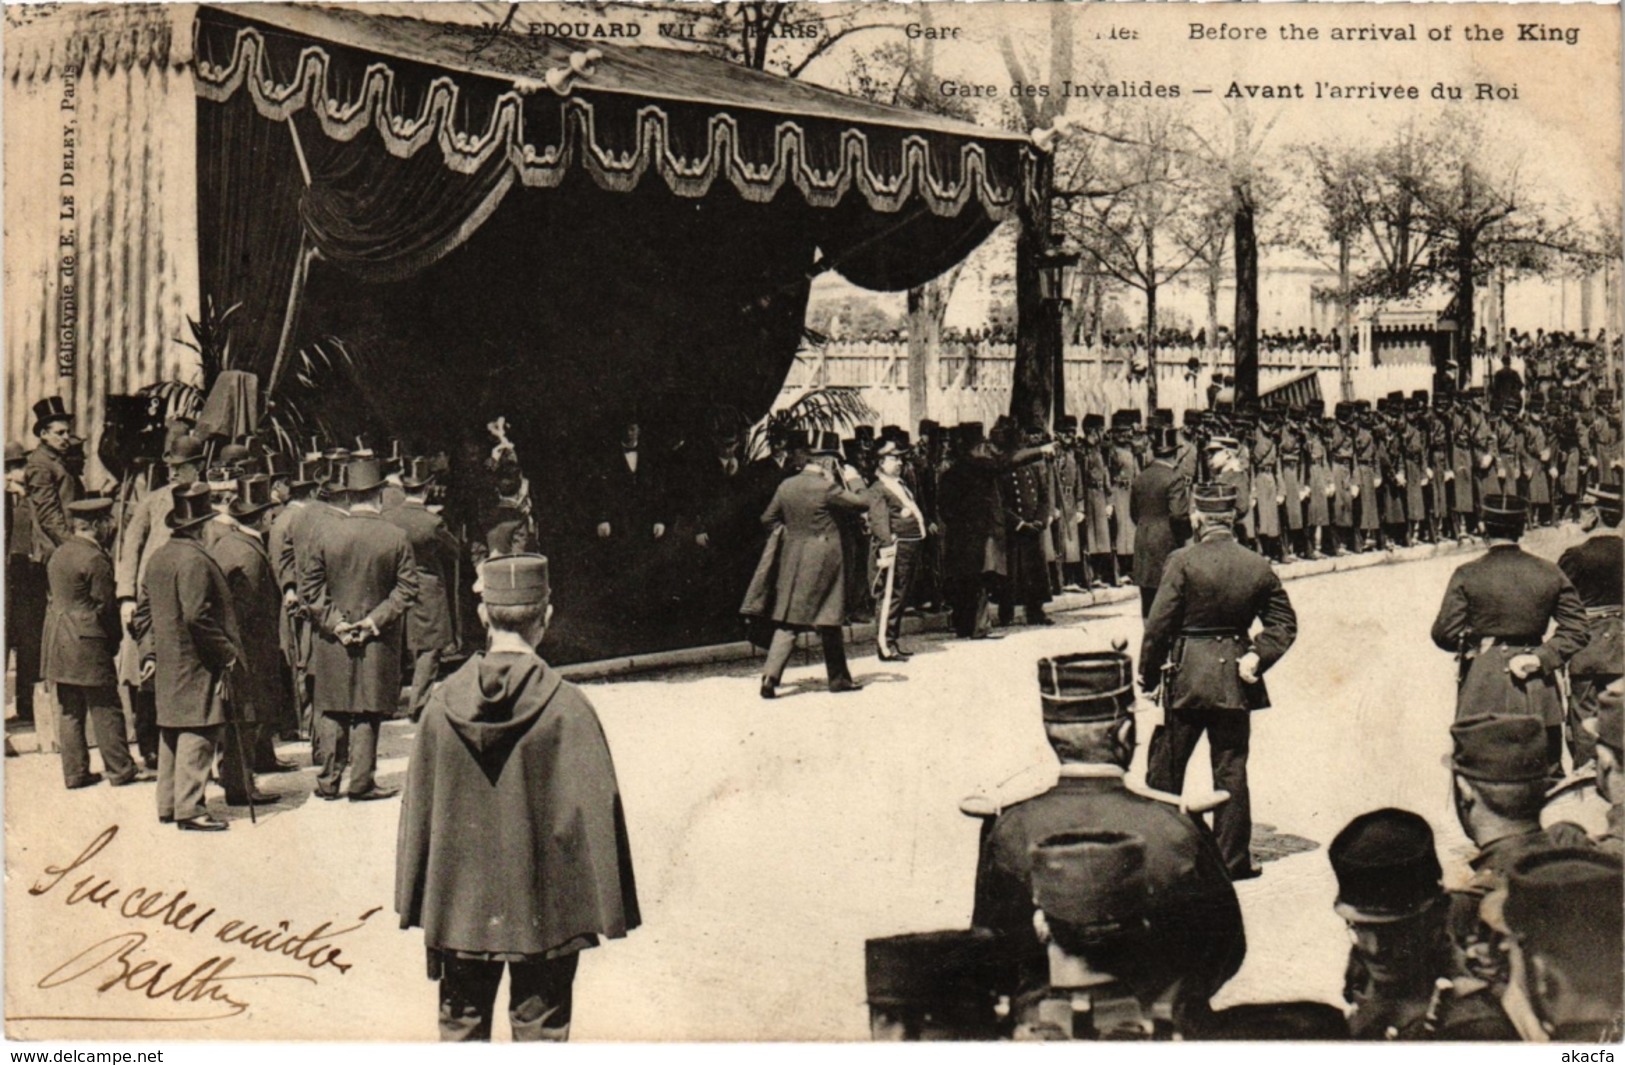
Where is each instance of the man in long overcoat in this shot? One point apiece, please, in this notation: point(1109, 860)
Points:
point(80, 637)
point(357, 584)
point(512, 851)
point(1494, 616)
point(1160, 504)
point(429, 632)
point(189, 643)
point(256, 692)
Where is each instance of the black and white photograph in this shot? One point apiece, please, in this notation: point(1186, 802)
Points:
point(813, 522)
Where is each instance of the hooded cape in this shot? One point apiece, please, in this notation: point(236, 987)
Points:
point(512, 838)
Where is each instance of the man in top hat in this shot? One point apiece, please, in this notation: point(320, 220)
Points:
point(429, 632)
point(899, 529)
point(1160, 507)
point(357, 583)
point(187, 624)
point(293, 631)
point(1596, 568)
point(1211, 593)
point(1399, 979)
point(1029, 509)
point(1494, 615)
point(1562, 912)
point(1194, 940)
point(147, 530)
point(256, 694)
point(80, 637)
point(50, 484)
point(513, 852)
point(26, 583)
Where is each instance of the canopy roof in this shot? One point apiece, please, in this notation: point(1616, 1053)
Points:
point(616, 110)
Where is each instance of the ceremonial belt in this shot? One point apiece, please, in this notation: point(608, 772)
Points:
point(1608, 611)
point(1214, 634)
point(1518, 640)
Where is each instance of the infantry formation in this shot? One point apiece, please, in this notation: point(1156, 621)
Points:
point(231, 598)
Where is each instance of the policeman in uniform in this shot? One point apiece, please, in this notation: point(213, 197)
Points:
point(1495, 613)
point(1211, 594)
point(1399, 979)
point(1596, 568)
point(81, 635)
point(1195, 940)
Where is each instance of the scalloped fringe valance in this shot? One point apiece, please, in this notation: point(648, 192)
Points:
point(466, 152)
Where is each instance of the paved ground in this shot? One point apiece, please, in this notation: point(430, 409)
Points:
point(770, 839)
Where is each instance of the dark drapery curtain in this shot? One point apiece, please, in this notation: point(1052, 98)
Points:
point(900, 251)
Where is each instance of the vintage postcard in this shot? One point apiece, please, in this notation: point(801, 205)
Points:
point(813, 522)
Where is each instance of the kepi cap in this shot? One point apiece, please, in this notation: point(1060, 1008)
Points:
point(515, 580)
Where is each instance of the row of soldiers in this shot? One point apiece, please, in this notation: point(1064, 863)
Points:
point(250, 598)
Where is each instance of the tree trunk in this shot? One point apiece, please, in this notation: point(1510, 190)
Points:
point(1466, 251)
point(927, 306)
point(1246, 338)
point(1345, 319)
point(1214, 270)
point(1097, 327)
point(1150, 320)
point(1033, 381)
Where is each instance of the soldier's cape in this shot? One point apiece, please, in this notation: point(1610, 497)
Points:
point(512, 838)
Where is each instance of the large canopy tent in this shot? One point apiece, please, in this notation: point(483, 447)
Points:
point(556, 232)
point(560, 232)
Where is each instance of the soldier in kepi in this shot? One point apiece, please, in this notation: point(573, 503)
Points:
point(1495, 614)
point(1193, 939)
point(1200, 627)
point(1596, 568)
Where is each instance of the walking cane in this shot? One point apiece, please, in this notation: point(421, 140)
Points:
point(242, 756)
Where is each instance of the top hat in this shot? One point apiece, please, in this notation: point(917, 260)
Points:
point(1316, 406)
point(1396, 396)
point(189, 505)
point(1567, 903)
point(797, 440)
point(929, 427)
point(824, 442)
point(50, 409)
point(1088, 686)
point(1193, 416)
point(514, 580)
point(1125, 419)
point(888, 432)
point(1213, 498)
point(1162, 416)
point(311, 472)
point(1500, 749)
point(1608, 725)
point(91, 506)
point(253, 496)
point(1386, 867)
point(970, 433)
point(852, 451)
point(278, 466)
point(363, 474)
point(1343, 411)
point(1164, 439)
point(954, 974)
point(1067, 424)
point(1094, 421)
point(417, 473)
point(865, 433)
point(1506, 513)
point(1093, 883)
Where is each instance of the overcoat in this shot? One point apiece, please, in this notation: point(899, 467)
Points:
point(1317, 509)
point(82, 627)
point(808, 583)
point(185, 621)
point(1160, 505)
point(359, 567)
point(1595, 569)
point(1124, 467)
point(256, 683)
point(434, 552)
point(512, 839)
point(1536, 456)
point(51, 486)
point(1496, 607)
point(1097, 524)
point(1266, 485)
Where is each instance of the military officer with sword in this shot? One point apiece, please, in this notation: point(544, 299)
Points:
point(899, 529)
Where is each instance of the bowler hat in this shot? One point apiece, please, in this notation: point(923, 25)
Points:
point(515, 580)
point(235, 455)
point(363, 474)
point(1093, 883)
point(1499, 748)
point(253, 496)
point(15, 455)
point(189, 505)
point(1213, 498)
point(1087, 686)
point(50, 409)
point(1386, 867)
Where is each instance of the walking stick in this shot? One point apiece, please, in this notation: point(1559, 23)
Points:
point(242, 756)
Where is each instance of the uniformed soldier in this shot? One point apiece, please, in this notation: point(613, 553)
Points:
point(1400, 977)
point(1367, 477)
point(1097, 503)
point(1123, 467)
point(357, 584)
point(429, 633)
point(1494, 615)
point(1194, 937)
point(1211, 594)
point(899, 530)
point(1608, 729)
point(1266, 483)
point(1317, 462)
point(1069, 500)
point(187, 626)
point(80, 637)
point(1160, 506)
point(1562, 914)
point(1028, 511)
point(1596, 568)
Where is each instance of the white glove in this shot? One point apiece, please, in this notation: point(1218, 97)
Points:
point(603, 530)
point(1247, 666)
point(1354, 491)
